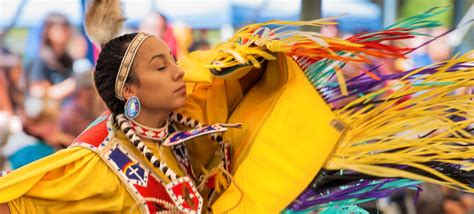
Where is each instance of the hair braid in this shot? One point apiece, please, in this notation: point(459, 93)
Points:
point(107, 68)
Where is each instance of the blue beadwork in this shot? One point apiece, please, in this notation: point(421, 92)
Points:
point(132, 108)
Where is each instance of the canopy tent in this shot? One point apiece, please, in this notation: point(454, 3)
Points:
point(200, 14)
point(358, 15)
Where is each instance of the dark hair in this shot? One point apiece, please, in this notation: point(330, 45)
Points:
point(59, 62)
point(107, 68)
point(51, 20)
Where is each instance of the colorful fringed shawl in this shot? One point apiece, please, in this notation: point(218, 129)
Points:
point(392, 136)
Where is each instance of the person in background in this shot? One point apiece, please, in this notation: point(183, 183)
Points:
point(40, 135)
point(457, 202)
point(84, 102)
point(183, 35)
point(157, 24)
point(440, 49)
point(200, 45)
point(50, 72)
point(11, 96)
point(11, 93)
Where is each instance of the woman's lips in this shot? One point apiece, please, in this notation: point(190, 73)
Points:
point(181, 90)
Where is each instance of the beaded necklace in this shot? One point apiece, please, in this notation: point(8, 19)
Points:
point(146, 132)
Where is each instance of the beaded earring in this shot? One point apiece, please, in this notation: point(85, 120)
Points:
point(132, 108)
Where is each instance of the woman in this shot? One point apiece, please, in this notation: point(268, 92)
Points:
point(139, 81)
point(50, 72)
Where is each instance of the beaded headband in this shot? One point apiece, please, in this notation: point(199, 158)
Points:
point(126, 63)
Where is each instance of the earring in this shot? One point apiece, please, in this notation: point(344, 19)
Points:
point(132, 108)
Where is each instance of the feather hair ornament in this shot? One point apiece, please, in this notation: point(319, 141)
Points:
point(104, 20)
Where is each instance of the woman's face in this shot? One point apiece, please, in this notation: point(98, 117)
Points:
point(59, 34)
point(161, 85)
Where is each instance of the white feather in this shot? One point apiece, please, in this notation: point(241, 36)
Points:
point(104, 20)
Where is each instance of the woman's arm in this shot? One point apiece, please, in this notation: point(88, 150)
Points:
point(4, 209)
point(58, 91)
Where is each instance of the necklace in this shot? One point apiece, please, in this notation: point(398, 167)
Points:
point(150, 133)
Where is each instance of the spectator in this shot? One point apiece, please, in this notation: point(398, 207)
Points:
point(183, 35)
point(40, 135)
point(84, 102)
point(440, 49)
point(200, 45)
point(11, 93)
point(11, 96)
point(50, 72)
point(157, 24)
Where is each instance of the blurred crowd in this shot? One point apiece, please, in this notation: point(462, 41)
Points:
point(48, 100)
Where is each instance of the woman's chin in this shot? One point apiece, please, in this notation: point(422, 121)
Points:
point(180, 102)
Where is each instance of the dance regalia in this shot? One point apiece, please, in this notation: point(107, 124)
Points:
point(314, 140)
point(103, 172)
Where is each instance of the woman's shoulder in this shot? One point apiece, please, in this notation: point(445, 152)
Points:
point(99, 131)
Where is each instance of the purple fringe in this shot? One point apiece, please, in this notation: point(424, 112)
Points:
point(364, 84)
point(310, 198)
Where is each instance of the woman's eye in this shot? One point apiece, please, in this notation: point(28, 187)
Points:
point(162, 68)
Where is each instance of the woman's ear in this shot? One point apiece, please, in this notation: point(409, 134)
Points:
point(129, 91)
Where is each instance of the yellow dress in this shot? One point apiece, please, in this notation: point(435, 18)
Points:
point(78, 180)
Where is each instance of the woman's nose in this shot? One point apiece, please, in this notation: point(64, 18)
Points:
point(178, 75)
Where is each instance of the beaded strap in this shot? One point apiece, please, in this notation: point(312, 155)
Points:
point(217, 137)
point(180, 119)
point(135, 140)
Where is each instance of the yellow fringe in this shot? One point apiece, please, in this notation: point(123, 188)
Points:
point(377, 130)
point(221, 179)
point(258, 41)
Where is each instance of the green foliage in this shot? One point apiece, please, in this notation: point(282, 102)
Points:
point(415, 7)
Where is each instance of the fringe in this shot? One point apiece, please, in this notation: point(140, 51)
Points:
point(429, 127)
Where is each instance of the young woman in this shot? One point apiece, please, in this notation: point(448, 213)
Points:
point(120, 163)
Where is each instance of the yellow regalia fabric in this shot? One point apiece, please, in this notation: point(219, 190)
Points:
point(274, 155)
point(71, 180)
